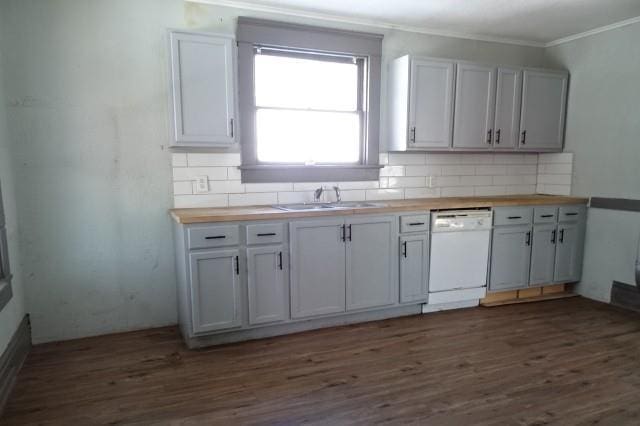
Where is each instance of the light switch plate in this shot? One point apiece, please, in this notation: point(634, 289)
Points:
point(202, 184)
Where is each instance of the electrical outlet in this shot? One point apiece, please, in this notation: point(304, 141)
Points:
point(202, 184)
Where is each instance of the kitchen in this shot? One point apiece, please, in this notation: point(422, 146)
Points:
point(153, 175)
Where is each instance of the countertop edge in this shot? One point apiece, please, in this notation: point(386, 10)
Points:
point(182, 217)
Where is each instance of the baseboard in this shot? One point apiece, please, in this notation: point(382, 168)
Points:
point(12, 359)
point(625, 296)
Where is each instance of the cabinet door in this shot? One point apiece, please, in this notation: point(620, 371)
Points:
point(215, 289)
point(544, 97)
point(510, 257)
point(202, 89)
point(474, 106)
point(317, 267)
point(268, 284)
point(569, 252)
point(543, 254)
point(430, 104)
point(371, 254)
point(508, 100)
point(414, 268)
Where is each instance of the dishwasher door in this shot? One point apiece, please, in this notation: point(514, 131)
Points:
point(459, 260)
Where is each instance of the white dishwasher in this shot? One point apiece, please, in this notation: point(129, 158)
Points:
point(460, 242)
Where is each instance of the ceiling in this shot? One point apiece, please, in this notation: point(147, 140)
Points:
point(536, 22)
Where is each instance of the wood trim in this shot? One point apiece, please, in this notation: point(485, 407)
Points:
point(12, 359)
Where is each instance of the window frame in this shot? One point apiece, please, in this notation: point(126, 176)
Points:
point(255, 34)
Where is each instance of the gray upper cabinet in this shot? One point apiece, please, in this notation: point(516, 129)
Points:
point(543, 254)
point(510, 257)
point(267, 284)
point(507, 110)
point(202, 90)
point(317, 267)
point(544, 98)
point(414, 268)
point(474, 106)
point(421, 104)
point(569, 252)
point(215, 289)
point(370, 247)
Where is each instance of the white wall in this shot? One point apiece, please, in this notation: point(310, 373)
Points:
point(603, 128)
point(86, 94)
point(14, 311)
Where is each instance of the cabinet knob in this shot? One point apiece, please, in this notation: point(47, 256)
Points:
point(489, 133)
point(412, 138)
point(404, 249)
point(498, 136)
point(524, 137)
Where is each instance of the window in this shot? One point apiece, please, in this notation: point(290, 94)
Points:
point(309, 102)
point(309, 108)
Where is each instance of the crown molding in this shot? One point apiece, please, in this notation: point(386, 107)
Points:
point(365, 22)
point(594, 31)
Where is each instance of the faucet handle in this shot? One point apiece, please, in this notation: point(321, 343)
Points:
point(337, 190)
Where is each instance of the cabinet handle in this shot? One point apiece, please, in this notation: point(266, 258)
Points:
point(524, 137)
point(413, 134)
point(562, 235)
point(553, 237)
point(489, 133)
point(280, 260)
point(514, 217)
point(267, 234)
point(237, 265)
point(231, 125)
point(546, 215)
point(349, 232)
point(404, 249)
point(343, 233)
point(529, 238)
point(216, 237)
point(571, 214)
point(416, 223)
point(498, 137)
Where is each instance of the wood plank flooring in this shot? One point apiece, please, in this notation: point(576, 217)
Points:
point(564, 362)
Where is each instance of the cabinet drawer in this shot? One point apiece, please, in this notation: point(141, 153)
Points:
point(265, 233)
point(513, 216)
point(545, 215)
point(572, 213)
point(213, 236)
point(414, 223)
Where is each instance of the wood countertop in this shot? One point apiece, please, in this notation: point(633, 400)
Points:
point(235, 214)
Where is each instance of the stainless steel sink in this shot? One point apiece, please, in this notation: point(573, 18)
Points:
point(325, 206)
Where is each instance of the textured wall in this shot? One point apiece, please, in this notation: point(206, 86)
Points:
point(603, 128)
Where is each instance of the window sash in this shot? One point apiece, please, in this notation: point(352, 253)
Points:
point(361, 99)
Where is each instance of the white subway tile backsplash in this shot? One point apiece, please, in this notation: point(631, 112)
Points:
point(406, 158)
point(191, 173)
point(213, 159)
point(405, 175)
point(253, 199)
point(179, 159)
point(403, 182)
point(384, 194)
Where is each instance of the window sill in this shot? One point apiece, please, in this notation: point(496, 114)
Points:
point(302, 173)
point(5, 292)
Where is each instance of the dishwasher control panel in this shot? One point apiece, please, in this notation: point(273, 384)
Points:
point(461, 220)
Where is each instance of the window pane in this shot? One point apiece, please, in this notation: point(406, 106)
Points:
point(290, 82)
point(289, 136)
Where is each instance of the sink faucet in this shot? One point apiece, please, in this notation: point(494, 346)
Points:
point(317, 194)
point(338, 198)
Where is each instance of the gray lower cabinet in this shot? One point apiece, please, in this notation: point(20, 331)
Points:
point(370, 249)
point(543, 254)
point(267, 284)
point(569, 251)
point(215, 289)
point(510, 257)
point(317, 267)
point(414, 268)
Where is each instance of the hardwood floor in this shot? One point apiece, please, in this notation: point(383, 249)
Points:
point(563, 362)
